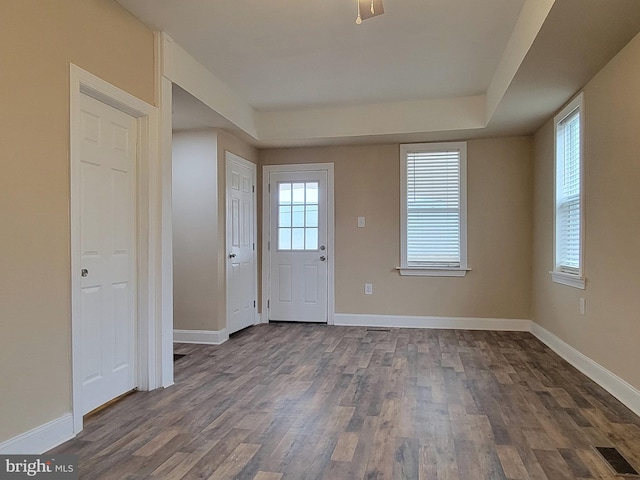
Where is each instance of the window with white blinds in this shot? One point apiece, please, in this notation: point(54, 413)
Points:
point(568, 192)
point(434, 206)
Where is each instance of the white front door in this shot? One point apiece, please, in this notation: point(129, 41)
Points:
point(107, 252)
point(298, 249)
point(241, 262)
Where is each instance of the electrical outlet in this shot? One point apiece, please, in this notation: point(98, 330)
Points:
point(361, 222)
point(583, 305)
point(368, 289)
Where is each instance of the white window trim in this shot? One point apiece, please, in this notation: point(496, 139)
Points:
point(568, 279)
point(426, 271)
point(432, 272)
point(565, 278)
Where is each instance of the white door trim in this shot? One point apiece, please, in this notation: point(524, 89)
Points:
point(232, 157)
point(266, 231)
point(148, 238)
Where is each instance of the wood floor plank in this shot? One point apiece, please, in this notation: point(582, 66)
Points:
point(296, 401)
point(406, 465)
point(511, 462)
point(596, 466)
point(554, 465)
point(267, 476)
point(346, 447)
point(208, 463)
point(155, 444)
point(169, 465)
point(187, 462)
point(235, 462)
point(427, 468)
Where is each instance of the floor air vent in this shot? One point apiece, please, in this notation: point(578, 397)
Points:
point(618, 464)
point(378, 329)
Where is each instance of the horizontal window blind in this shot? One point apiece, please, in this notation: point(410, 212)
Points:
point(433, 208)
point(568, 195)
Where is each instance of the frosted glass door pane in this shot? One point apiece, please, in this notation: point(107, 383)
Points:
point(298, 193)
point(312, 193)
point(284, 239)
point(298, 215)
point(285, 193)
point(297, 242)
point(312, 216)
point(285, 216)
point(311, 235)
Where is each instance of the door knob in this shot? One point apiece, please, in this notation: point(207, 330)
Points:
point(84, 272)
point(232, 255)
point(323, 258)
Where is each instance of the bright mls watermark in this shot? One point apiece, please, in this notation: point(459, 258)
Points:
point(52, 467)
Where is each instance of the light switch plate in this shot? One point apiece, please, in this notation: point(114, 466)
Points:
point(361, 222)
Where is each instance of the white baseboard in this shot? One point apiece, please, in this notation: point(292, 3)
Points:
point(608, 380)
point(40, 439)
point(205, 337)
point(457, 323)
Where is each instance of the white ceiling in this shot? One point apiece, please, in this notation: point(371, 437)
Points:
point(289, 58)
point(290, 54)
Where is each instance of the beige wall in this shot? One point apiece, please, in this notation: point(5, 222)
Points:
point(195, 230)
point(367, 183)
point(38, 39)
point(199, 251)
point(609, 331)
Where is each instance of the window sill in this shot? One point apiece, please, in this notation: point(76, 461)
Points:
point(568, 279)
point(432, 272)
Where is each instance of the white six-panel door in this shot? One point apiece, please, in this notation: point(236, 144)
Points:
point(107, 252)
point(298, 252)
point(241, 263)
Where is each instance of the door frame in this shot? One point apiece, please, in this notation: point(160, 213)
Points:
point(148, 341)
point(232, 157)
point(266, 232)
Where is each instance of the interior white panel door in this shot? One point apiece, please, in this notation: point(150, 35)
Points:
point(107, 244)
point(298, 253)
point(241, 271)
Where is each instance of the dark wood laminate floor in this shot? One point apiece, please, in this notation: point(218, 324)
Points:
point(298, 401)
